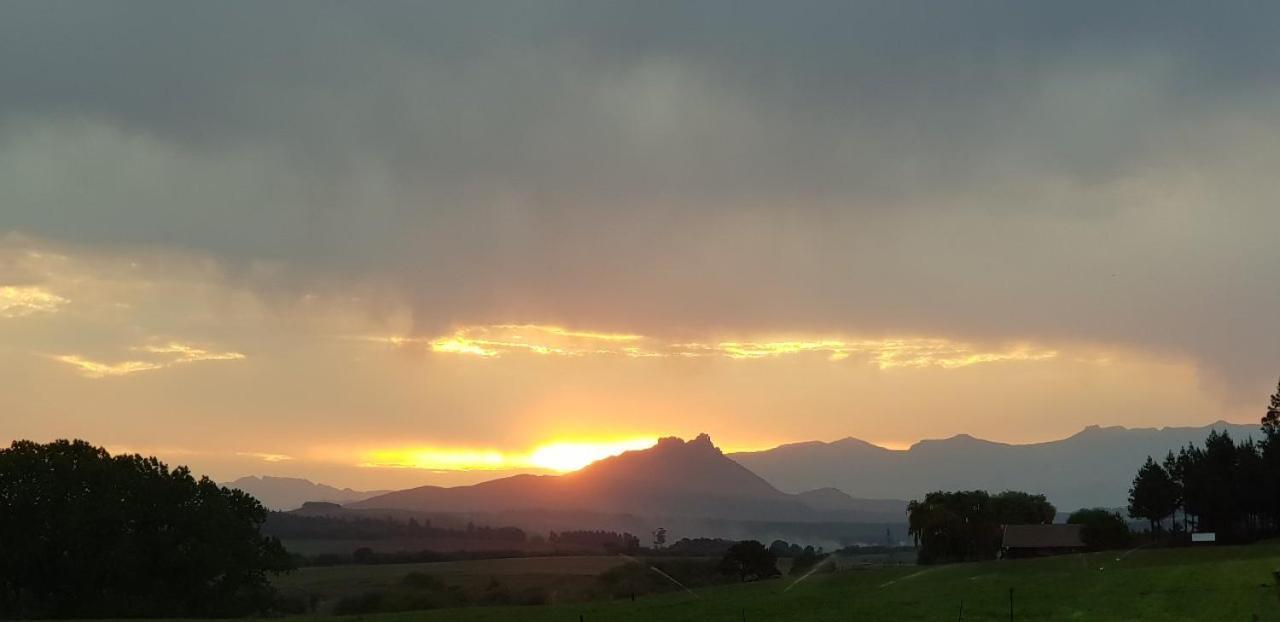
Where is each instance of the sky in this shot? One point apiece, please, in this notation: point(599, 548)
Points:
point(382, 244)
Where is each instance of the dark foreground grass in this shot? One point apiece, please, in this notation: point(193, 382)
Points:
point(1220, 583)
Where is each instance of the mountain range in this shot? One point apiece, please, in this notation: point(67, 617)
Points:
point(287, 493)
point(844, 481)
point(1093, 468)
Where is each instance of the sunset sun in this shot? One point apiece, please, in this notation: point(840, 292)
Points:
point(558, 456)
point(571, 456)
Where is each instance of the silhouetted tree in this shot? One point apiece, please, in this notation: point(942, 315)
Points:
point(1012, 507)
point(1271, 420)
point(1219, 506)
point(1173, 468)
point(1103, 529)
point(659, 537)
point(749, 560)
point(1154, 495)
point(1270, 449)
point(84, 534)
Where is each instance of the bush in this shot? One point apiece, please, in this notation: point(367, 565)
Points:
point(1103, 529)
point(749, 560)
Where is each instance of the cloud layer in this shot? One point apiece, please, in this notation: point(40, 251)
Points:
point(919, 185)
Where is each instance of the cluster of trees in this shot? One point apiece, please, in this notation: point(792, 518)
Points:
point(607, 541)
point(289, 526)
point(802, 558)
point(1228, 487)
point(699, 547)
point(84, 534)
point(966, 525)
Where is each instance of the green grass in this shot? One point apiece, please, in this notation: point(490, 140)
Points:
point(1219, 583)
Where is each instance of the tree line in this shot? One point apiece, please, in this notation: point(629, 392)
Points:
point(290, 526)
point(607, 541)
point(1228, 487)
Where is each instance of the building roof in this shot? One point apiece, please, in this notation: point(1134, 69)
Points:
point(1042, 536)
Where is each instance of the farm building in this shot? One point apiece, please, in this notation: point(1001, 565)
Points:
point(1040, 540)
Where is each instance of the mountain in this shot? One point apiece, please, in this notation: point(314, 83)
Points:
point(1091, 468)
point(673, 478)
point(836, 505)
point(287, 493)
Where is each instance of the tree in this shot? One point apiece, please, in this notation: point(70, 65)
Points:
point(87, 535)
point(966, 525)
point(1271, 420)
point(1012, 507)
point(1154, 495)
point(1103, 529)
point(1173, 468)
point(1220, 507)
point(659, 537)
point(1270, 448)
point(749, 560)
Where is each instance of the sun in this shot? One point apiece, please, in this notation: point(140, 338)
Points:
point(573, 455)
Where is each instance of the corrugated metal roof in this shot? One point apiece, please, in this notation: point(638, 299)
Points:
point(1042, 536)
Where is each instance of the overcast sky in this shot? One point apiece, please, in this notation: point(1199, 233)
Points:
point(279, 237)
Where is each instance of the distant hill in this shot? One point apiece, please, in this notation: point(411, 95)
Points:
point(287, 493)
point(1091, 468)
point(673, 478)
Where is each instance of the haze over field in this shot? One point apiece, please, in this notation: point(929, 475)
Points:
point(393, 245)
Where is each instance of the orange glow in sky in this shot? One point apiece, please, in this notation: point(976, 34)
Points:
point(559, 456)
point(571, 456)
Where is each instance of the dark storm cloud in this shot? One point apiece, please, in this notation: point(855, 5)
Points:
point(1089, 170)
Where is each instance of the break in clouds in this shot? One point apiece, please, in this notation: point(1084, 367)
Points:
point(1000, 171)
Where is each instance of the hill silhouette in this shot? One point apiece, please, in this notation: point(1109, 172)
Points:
point(673, 478)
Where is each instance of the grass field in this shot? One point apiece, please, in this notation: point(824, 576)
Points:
point(1219, 583)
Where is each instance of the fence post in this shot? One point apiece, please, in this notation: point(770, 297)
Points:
point(960, 618)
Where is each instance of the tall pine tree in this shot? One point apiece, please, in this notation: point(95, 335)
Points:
point(1154, 495)
point(1271, 420)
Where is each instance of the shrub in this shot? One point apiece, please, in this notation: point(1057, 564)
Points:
point(1103, 529)
point(749, 560)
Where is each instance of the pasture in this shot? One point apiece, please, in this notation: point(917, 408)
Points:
point(1217, 583)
